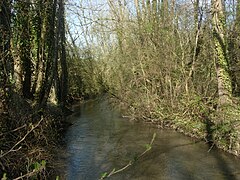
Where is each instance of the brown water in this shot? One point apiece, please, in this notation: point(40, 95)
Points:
point(100, 140)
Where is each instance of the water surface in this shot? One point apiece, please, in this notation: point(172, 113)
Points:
point(100, 140)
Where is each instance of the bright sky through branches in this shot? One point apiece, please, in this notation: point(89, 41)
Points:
point(86, 18)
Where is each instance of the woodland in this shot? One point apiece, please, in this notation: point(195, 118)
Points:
point(171, 63)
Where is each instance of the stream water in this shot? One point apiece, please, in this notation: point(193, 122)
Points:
point(100, 140)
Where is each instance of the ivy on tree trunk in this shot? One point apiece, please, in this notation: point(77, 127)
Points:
point(222, 68)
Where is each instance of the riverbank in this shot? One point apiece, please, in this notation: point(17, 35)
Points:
point(28, 137)
point(195, 118)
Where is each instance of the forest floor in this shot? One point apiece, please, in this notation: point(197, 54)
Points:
point(28, 136)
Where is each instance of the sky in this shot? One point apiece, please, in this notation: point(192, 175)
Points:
point(86, 17)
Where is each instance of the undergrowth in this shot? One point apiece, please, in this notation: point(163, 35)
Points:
point(27, 138)
point(197, 118)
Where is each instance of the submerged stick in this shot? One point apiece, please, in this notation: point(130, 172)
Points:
point(114, 171)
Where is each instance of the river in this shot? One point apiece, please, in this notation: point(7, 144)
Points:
point(100, 140)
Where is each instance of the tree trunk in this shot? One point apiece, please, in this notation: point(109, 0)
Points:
point(234, 53)
point(50, 49)
point(64, 72)
point(5, 55)
point(38, 45)
point(25, 47)
point(223, 77)
point(165, 13)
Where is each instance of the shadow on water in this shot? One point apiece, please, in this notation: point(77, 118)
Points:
point(153, 157)
point(223, 166)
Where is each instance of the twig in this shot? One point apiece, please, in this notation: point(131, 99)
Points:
point(24, 137)
point(149, 146)
point(130, 162)
point(119, 170)
point(211, 147)
point(30, 174)
point(18, 128)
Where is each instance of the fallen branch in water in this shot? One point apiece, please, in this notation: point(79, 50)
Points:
point(114, 171)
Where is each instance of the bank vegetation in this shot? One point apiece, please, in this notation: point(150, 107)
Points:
point(170, 63)
point(33, 86)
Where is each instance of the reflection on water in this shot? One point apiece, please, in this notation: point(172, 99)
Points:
point(100, 140)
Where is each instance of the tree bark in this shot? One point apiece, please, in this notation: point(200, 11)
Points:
point(63, 59)
point(39, 46)
point(50, 49)
point(222, 68)
point(234, 52)
point(25, 47)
